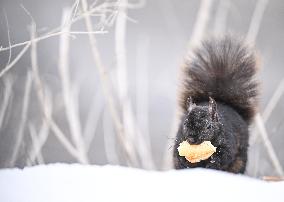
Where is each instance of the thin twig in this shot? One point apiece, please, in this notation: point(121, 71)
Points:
point(109, 140)
point(93, 119)
point(63, 140)
point(74, 9)
point(51, 35)
point(120, 50)
point(56, 31)
point(43, 99)
point(256, 162)
point(251, 37)
point(132, 132)
point(273, 178)
point(269, 108)
point(106, 89)
point(221, 16)
point(73, 13)
point(7, 91)
point(17, 58)
point(260, 123)
point(256, 20)
point(273, 157)
point(273, 101)
point(201, 22)
point(20, 134)
point(9, 38)
point(70, 108)
point(142, 96)
point(35, 145)
point(35, 152)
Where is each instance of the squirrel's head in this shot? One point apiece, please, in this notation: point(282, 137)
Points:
point(201, 123)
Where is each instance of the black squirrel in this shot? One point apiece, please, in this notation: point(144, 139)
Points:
point(218, 101)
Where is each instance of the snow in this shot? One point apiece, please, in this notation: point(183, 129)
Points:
point(84, 183)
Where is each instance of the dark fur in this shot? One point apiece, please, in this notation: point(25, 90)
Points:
point(222, 71)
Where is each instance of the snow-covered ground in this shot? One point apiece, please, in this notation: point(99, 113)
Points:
point(83, 183)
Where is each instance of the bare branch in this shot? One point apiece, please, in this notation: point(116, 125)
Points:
point(35, 152)
point(251, 37)
point(17, 58)
point(35, 145)
point(131, 130)
point(256, 20)
point(9, 39)
point(43, 99)
point(221, 16)
point(200, 23)
point(73, 13)
point(273, 101)
point(50, 36)
point(109, 140)
point(20, 134)
point(269, 109)
point(7, 91)
point(142, 97)
point(273, 157)
point(71, 112)
point(108, 7)
point(93, 119)
point(107, 90)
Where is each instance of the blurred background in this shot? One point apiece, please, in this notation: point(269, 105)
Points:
point(96, 82)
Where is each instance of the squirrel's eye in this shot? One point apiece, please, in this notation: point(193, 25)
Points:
point(208, 127)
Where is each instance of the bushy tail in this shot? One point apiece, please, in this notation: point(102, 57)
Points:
point(223, 69)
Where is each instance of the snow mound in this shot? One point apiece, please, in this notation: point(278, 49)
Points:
point(84, 183)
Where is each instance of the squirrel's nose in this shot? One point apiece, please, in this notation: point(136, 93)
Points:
point(195, 141)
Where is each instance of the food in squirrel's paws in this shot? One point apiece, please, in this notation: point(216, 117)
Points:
point(196, 153)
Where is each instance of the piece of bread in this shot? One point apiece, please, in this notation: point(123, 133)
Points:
point(196, 153)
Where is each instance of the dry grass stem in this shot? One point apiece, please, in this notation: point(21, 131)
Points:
point(142, 96)
point(50, 36)
point(201, 23)
point(9, 39)
point(273, 178)
point(256, 20)
point(109, 140)
point(7, 94)
point(36, 146)
point(35, 151)
point(260, 123)
point(273, 101)
point(104, 7)
point(20, 133)
point(44, 101)
point(17, 58)
point(70, 108)
point(107, 89)
point(271, 152)
point(92, 120)
point(221, 17)
point(131, 130)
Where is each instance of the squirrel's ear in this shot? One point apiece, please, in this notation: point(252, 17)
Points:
point(213, 109)
point(189, 104)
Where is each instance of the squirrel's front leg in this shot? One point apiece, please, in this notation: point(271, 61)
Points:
point(221, 159)
point(214, 162)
